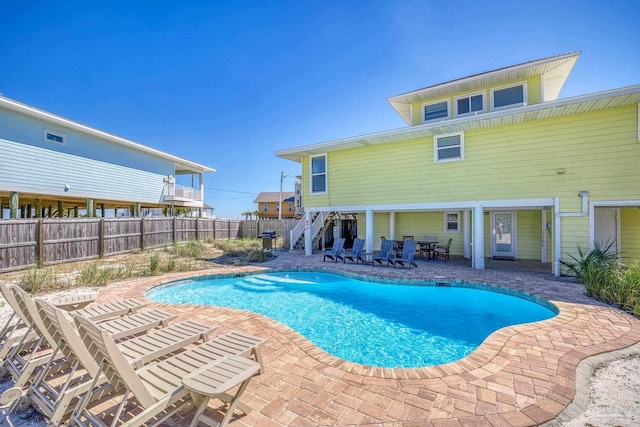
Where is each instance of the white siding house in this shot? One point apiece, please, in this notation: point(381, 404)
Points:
point(51, 164)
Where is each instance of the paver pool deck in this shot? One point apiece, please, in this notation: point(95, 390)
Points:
point(521, 375)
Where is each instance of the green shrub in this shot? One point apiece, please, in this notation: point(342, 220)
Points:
point(606, 279)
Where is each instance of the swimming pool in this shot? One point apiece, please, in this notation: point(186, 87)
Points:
point(371, 323)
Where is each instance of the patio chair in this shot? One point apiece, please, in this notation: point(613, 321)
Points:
point(426, 246)
point(408, 254)
point(442, 251)
point(356, 252)
point(53, 394)
point(336, 252)
point(161, 389)
point(16, 331)
point(385, 253)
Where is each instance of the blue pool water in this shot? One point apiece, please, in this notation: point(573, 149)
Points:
point(376, 324)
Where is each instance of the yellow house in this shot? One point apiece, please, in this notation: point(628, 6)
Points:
point(496, 161)
point(269, 204)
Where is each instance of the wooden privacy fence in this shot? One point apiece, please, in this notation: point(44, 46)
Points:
point(30, 243)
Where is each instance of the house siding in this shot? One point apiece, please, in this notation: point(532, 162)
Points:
point(630, 234)
point(28, 168)
point(27, 130)
point(516, 161)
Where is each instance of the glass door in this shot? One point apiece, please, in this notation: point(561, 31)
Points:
point(503, 230)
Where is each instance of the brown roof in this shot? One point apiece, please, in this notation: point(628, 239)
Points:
point(272, 196)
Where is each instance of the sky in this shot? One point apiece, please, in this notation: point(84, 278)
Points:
point(228, 83)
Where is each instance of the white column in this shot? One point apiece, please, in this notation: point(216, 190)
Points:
point(543, 244)
point(478, 238)
point(466, 234)
point(369, 227)
point(201, 185)
point(307, 234)
point(392, 225)
point(557, 244)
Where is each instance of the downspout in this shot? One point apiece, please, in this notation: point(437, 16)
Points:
point(556, 227)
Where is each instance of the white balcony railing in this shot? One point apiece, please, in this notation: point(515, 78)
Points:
point(182, 193)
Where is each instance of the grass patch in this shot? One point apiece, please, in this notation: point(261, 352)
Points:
point(182, 257)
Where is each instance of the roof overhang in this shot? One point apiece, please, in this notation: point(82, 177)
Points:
point(553, 71)
point(561, 107)
point(182, 166)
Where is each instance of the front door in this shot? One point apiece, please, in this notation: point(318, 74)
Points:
point(605, 229)
point(503, 238)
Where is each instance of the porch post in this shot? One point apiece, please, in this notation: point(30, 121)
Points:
point(13, 205)
point(478, 238)
point(201, 185)
point(392, 225)
point(308, 238)
point(90, 211)
point(466, 236)
point(543, 220)
point(369, 227)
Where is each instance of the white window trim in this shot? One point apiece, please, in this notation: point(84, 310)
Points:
point(265, 207)
point(58, 134)
point(506, 107)
point(326, 174)
point(435, 147)
point(470, 95)
point(446, 230)
point(440, 101)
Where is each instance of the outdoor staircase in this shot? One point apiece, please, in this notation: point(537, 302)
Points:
point(319, 225)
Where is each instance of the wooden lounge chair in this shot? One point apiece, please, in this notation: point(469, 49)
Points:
point(408, 254)
point(336, 252)
point(161, 389)
point(21, 362)
point(54, 394)
point(17, 330)
point(442, 251)
point(356, 252)
point(385, 253)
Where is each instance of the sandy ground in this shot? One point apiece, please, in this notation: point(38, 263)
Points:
point(614, 392)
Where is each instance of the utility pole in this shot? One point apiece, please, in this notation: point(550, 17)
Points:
point(280, 198)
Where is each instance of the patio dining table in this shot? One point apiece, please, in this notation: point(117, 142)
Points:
point(428, 246)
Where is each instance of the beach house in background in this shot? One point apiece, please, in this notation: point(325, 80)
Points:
point(269, 204)
point(496, 161)
point(54, 167)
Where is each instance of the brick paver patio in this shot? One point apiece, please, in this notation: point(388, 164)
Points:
point(520, 376)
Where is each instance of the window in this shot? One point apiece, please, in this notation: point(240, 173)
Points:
point(264, 207)
point(470, 104)
point(278, 207)
point(435, 111)
point(57, 137)
point(512, 96)
point(448, 147)
point(290, 206)
point(319, 174)
point(452, 222)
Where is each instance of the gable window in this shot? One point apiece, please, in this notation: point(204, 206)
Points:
point(319, 174)
point(435, 111)
point(448, 147)
point(511, 96)
point(56, 137)
point(264, 207)
point(452, 221)
point(470, 104)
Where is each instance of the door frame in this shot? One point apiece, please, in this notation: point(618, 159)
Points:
point(618, 245)
point(514, 234)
